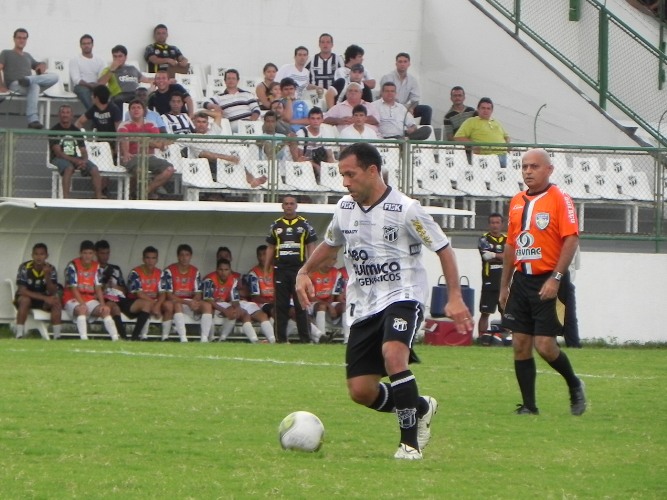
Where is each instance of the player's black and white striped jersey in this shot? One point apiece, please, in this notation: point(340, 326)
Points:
point(383, 246)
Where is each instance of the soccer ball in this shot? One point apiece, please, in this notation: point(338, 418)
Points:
point(302, 431)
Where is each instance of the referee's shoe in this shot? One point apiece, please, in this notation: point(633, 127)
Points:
point(578, 399)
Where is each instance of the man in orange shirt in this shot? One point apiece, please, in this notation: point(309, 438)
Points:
point(83, 296)
point(145, 294)
point(182, 283)
point(543, 236)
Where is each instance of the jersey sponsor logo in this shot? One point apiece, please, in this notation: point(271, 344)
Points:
point(393, 207)
point(421, 231)
point(400, 325)
point(350, 231)
point(525, 249)
point(390, 233)
point(300, 230)
point(289, 230)
point(517, 207)
point(347, 205)
point(570, 209)
point(128, 78)
point(415, 249)
point(279, 230)
point(542, 220)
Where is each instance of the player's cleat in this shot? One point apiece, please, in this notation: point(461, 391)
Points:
point(424, 423)
point(524, 410)
point(578, 399)
point(406, 452)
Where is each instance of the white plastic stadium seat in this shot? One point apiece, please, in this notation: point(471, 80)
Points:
point(101, 155)
point(197, 178)
point(249, 127)
point(62, 89)
point(330, 177)
point(193, 84)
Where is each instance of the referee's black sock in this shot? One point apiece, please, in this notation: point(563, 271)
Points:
point(562, 365)
point(525, 375)
point(405, 391)
point(385, 400)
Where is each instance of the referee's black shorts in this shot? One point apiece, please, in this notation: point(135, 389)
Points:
point(400, 321)
point(525, 312)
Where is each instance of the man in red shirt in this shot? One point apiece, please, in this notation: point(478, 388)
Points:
point(161, 169)
point(543, 236)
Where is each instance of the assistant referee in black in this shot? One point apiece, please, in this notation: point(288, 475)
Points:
point(291, 240)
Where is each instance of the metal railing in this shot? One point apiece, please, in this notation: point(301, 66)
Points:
point(618, 191)
point(602, 50)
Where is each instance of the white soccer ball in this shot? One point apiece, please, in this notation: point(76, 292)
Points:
point(301, 431)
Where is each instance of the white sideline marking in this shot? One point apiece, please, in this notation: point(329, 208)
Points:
point(209, 357)
point(307, 363)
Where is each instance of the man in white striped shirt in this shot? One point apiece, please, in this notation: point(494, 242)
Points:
point(383, 232)
point(235, 103)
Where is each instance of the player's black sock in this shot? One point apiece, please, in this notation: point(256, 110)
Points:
point(404, 387)
point(525, 374)
point(120, 326)
point(385, 400)
point(142, 318)
point(562, 365)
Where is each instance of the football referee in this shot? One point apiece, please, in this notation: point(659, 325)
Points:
point(542, 238)
point(290, 241)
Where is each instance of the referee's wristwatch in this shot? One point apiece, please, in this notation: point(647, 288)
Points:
point(557, 276)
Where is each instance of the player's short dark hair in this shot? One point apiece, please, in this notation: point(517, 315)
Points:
point(388, 84)
point(177, 94)
point(288, 82)
point(37, 246)
point(159, 27)
point(219, 262)
point(315, 111)
point(238, 77)
point(457, 87)
point(86, 245)
point(270, 114)
point(485, 100)
point(494, 215)
point(86, 37)
point(366, 155)
point(403, 54)
point(301, 47)
point(119, 48)
point(182, 247)
point(261, 248)
point(223, 249)
point(323, 35)
point(20, 30)
point(353, 51)
point(102, 93)
point(149, 249)
point(102, 245)
point(360, 108)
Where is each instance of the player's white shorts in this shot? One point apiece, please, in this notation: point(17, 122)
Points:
point(249, 307)
point(72, 304)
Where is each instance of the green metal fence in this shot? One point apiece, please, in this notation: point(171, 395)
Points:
point(618, 191)
point(603, 51)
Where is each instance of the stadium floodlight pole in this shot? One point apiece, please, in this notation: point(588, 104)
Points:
point(535, 122)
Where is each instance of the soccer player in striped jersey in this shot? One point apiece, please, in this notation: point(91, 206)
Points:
point(383, 232)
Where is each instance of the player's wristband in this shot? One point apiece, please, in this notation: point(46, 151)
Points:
point(557, 276)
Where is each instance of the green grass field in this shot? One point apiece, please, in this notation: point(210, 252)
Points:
point(164, 420)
